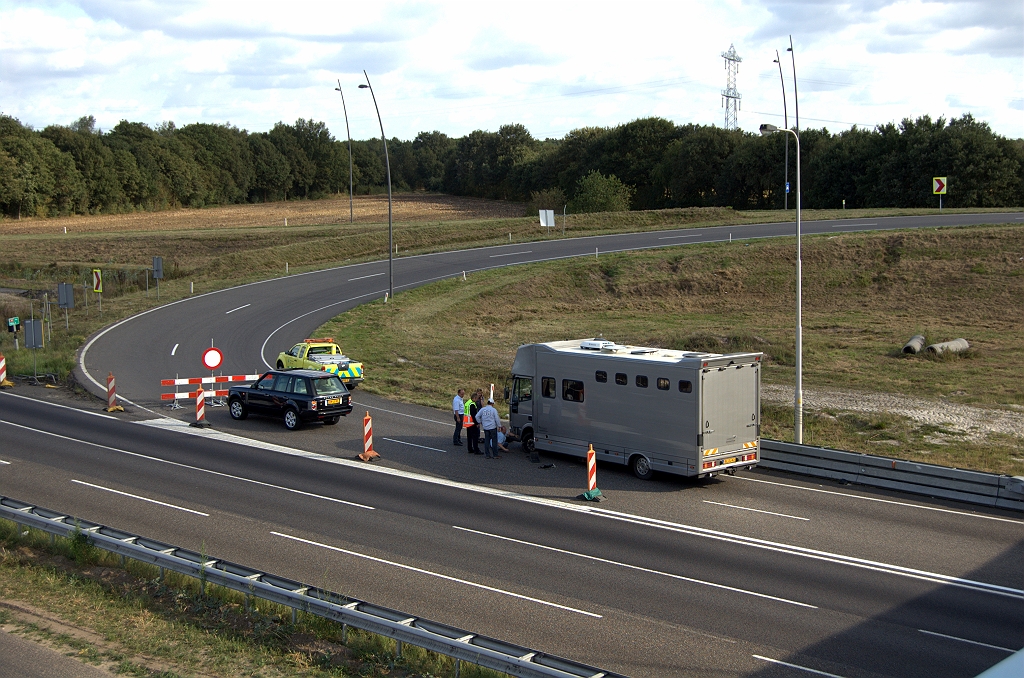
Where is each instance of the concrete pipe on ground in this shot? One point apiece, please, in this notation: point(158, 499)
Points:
point(955, 346)
point(915, 344)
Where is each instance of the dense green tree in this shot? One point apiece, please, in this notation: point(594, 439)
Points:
point(271, 171)
point(596, 192)
point(94, 161)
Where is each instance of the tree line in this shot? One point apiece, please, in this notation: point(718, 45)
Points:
point(650, 163)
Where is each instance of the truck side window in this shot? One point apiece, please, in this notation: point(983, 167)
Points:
point(524, 390)
point(572, 390)
point(641, 381)
point(621, 379)
point(547, 387)
point(664, 384)
point(601, 376)
point(295, 351)
point(685, 386)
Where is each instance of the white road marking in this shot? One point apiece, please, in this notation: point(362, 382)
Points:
point(135, 496)
point(364, 277)
point(402, 414)
point(881, 501)
point(744, 508)
point(5, 462)
point(964, 640)
point(510, 254)
point(187, 466)
point(673, 237)
point(8, 394)
point(174, 350)
point(237, 309)
point(851, 225)
point(402, 442)
point(789, 549)
point(795, 666)
point(438, 575)
point(638, 568)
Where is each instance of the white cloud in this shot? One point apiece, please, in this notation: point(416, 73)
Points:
point(552, 65)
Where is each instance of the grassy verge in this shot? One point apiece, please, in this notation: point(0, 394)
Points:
point(81, 601)
point(864, 296)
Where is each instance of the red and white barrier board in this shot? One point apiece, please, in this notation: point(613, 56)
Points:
point(210, 380)
point(223, 393)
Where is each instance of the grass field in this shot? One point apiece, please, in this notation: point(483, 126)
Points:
point(864, 296)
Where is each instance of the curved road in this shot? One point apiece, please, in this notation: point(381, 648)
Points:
point(760, 574)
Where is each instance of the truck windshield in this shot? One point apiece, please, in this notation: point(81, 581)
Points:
point(328, 385)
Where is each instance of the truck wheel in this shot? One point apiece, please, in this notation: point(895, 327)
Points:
point(291, 419)
point(331, 421)
point(280, 365)
point(641, 466)
point(529, 444)
point(238, 410)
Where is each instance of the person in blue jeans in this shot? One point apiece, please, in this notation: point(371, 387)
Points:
point(489, 420)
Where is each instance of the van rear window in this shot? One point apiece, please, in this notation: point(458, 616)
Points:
point(621, 379)
point(572, 390)
point(685, 386)
point(664, 384)
point(601, 376)
point(641, 381)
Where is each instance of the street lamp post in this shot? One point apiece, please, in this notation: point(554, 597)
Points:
point(798, 397)
point(785, 123)
point(351, 213)
point(387, 163)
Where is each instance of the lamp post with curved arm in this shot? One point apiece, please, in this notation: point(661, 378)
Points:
point(351, 212)
point(785, 123)
point(798, 397)
point(387, 163)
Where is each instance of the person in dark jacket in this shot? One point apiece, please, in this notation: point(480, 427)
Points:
point(473, 432)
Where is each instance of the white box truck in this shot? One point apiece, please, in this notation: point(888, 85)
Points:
point(687, 413)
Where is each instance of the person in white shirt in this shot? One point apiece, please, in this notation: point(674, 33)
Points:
point(458, 409)
point(489, 420)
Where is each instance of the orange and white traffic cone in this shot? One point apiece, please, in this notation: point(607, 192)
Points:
point(4, 383)
point(200, 421)
point(368, 452)
point(112, 405)
point(592, 493)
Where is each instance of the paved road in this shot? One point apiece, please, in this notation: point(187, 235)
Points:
point(25, 659)
point(666, 579)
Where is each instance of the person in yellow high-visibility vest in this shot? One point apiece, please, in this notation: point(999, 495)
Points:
point(472, 428)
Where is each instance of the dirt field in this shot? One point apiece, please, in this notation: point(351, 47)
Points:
point(408, 207)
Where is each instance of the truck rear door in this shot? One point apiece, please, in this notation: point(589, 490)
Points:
point(730, 410)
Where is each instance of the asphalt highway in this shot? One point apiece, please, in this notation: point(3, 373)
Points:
point(760, 574)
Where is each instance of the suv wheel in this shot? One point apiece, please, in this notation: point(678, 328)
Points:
point(280, 365)
point(238, 409)
point(291, 419)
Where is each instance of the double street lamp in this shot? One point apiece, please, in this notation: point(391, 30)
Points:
point(798, 398)
point(351, 213)
point(387, 162)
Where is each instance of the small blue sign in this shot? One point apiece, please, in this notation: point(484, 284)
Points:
point(787, 187)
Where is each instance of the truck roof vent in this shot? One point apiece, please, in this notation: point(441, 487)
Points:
point(595, 344)
point(613, 348)
point(643, 351)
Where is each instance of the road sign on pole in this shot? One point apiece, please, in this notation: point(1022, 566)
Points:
point(33, 334)
point(939, 185)
point(97, 281)
point(212, 358)
point(65, 295)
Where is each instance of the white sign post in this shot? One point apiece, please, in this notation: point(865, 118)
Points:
point(547, 218)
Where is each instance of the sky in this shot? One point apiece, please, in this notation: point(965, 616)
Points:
point(553, 66)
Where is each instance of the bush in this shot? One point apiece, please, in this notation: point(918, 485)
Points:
point(596, 192)
point(548, 199)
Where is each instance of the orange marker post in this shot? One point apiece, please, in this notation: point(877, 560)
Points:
point(200, 421)
point(4, 383)
point(368, 452)
point(112, 405)
point(592, 493)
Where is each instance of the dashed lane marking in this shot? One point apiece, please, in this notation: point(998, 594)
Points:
point(237, 309)
point(795, 666)
point(140, 498)
point(745, 508)
point(964, 640)
point(402, 442)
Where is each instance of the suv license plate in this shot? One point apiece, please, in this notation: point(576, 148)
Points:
point(336, 401)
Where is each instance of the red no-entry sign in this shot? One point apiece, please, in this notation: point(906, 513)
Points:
point(212, 358)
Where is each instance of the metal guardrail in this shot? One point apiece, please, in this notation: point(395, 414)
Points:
point(974, 487)
point(457, 643)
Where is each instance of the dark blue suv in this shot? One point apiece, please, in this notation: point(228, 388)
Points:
point(296, 396)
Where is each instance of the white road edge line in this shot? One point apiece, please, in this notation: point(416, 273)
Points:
point(779, 547)
point(673, 237)
point(851, 225)
point(964, 640)
point(795, 666)
point(187, 466)
point(63, 407)
point(438, 575)
point(744, 508)
point(135, 496)
point(5, 462)
point(510, 254)
point(637, 568)
point(364, 277)
point(237, 309)
point(881, 501)
point(402, 442)
point(174, 350)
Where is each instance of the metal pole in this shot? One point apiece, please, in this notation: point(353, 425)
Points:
point(387, 163)
point(785, 123)
point(796, 100)
point(798, 397)
point(351, 213)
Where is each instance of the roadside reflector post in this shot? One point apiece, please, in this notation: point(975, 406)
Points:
point(368, 453)
point(592, 493)
point(4, 383)
point(200, 421)
point(112, 405)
